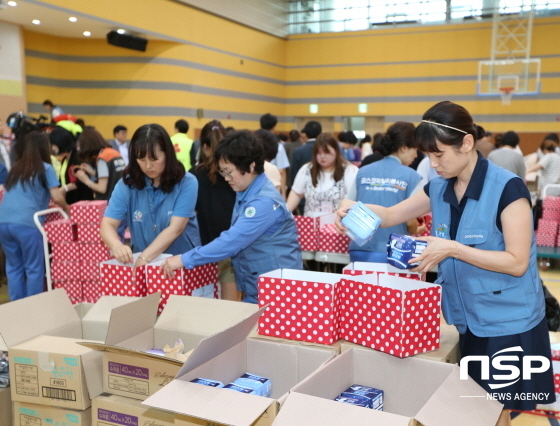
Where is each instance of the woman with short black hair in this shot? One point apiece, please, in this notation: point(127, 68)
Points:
point(157, 197)
point(263, 234)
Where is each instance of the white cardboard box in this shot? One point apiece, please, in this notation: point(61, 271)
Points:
point(225, 357)
point(131, 372)
point(39, 415)
point(416, 392)
point(52, 314)
point(113, 410)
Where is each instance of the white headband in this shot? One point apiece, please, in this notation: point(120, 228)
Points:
point(445, 125)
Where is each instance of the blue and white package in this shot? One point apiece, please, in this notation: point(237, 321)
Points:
point(261, 385)
point(242, 389)
point(372, 396)
point(360, 223)
point(352, 401)
point(402, 248)
point(208, 382)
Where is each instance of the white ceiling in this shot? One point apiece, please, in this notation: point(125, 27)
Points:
point(265, 15)
point(54, 20)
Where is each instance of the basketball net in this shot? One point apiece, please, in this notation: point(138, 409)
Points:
point(507, 93)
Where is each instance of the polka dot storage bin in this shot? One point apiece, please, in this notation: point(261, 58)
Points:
point(398, 316)
point(185, 283)
point(304, 305)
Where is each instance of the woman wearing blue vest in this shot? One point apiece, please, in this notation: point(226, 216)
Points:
point(263, 234)
point(483, 243)
point(387, 182)
point(156, 196)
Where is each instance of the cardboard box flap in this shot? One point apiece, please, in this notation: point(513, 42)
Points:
point(49, 313)
point(92, 363)
point(314, 411)
point(96, 320)
point(132, 318)
point(193, 318)
point(214, 345)
point(197, 400)
point(465, 403)
point(101, 347)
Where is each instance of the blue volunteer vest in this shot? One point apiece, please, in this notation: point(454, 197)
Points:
point(147, 219)
point(386, 182)
point(269, 252)
point(488, 303)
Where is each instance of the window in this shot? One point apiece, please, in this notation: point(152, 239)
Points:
point(317, 16)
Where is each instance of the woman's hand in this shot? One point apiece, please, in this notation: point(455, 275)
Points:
point(170, 265)
point(343, 208)
point(437, 250)
point(122, 253)
point(88, 169)
point(81, 175)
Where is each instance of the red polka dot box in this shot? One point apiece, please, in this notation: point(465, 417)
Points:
point(398, 316)
point(304, 305)
point(201, 281)
point(308, 232)
point(60, 231)
point(88, 211)
point(363, 268)
point(120, 279)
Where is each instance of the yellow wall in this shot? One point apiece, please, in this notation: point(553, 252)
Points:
point(404, 61)
point(236, 74)
point(230, 71)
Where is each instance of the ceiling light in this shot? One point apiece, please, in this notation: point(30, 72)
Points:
point(87, 33)
point(12, 3)
point(73, 19)
point(36, 22)
point(121, 31)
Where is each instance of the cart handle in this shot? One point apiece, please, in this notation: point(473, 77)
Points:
point(45, 242)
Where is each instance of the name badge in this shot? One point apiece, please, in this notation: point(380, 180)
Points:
point(326, 207)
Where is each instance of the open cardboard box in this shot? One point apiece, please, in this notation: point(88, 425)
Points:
point(131, 372)
point(225, 357)
point(47, 367)
point(416, 392)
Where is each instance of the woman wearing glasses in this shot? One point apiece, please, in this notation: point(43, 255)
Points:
point(157, 197)
point(263, 234)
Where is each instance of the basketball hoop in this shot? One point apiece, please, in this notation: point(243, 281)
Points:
point(507, 93)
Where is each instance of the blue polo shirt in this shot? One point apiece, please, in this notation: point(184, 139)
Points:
point(149, 211)
point(513, 191)
point(261, 217)
point(22, 201)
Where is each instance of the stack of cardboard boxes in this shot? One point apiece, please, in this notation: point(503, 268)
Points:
point(52, 378)
point(129, 374)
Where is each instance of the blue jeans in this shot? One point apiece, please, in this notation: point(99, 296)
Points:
point(25, 259)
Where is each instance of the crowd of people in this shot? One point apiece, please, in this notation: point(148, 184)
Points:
point(229, 197)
